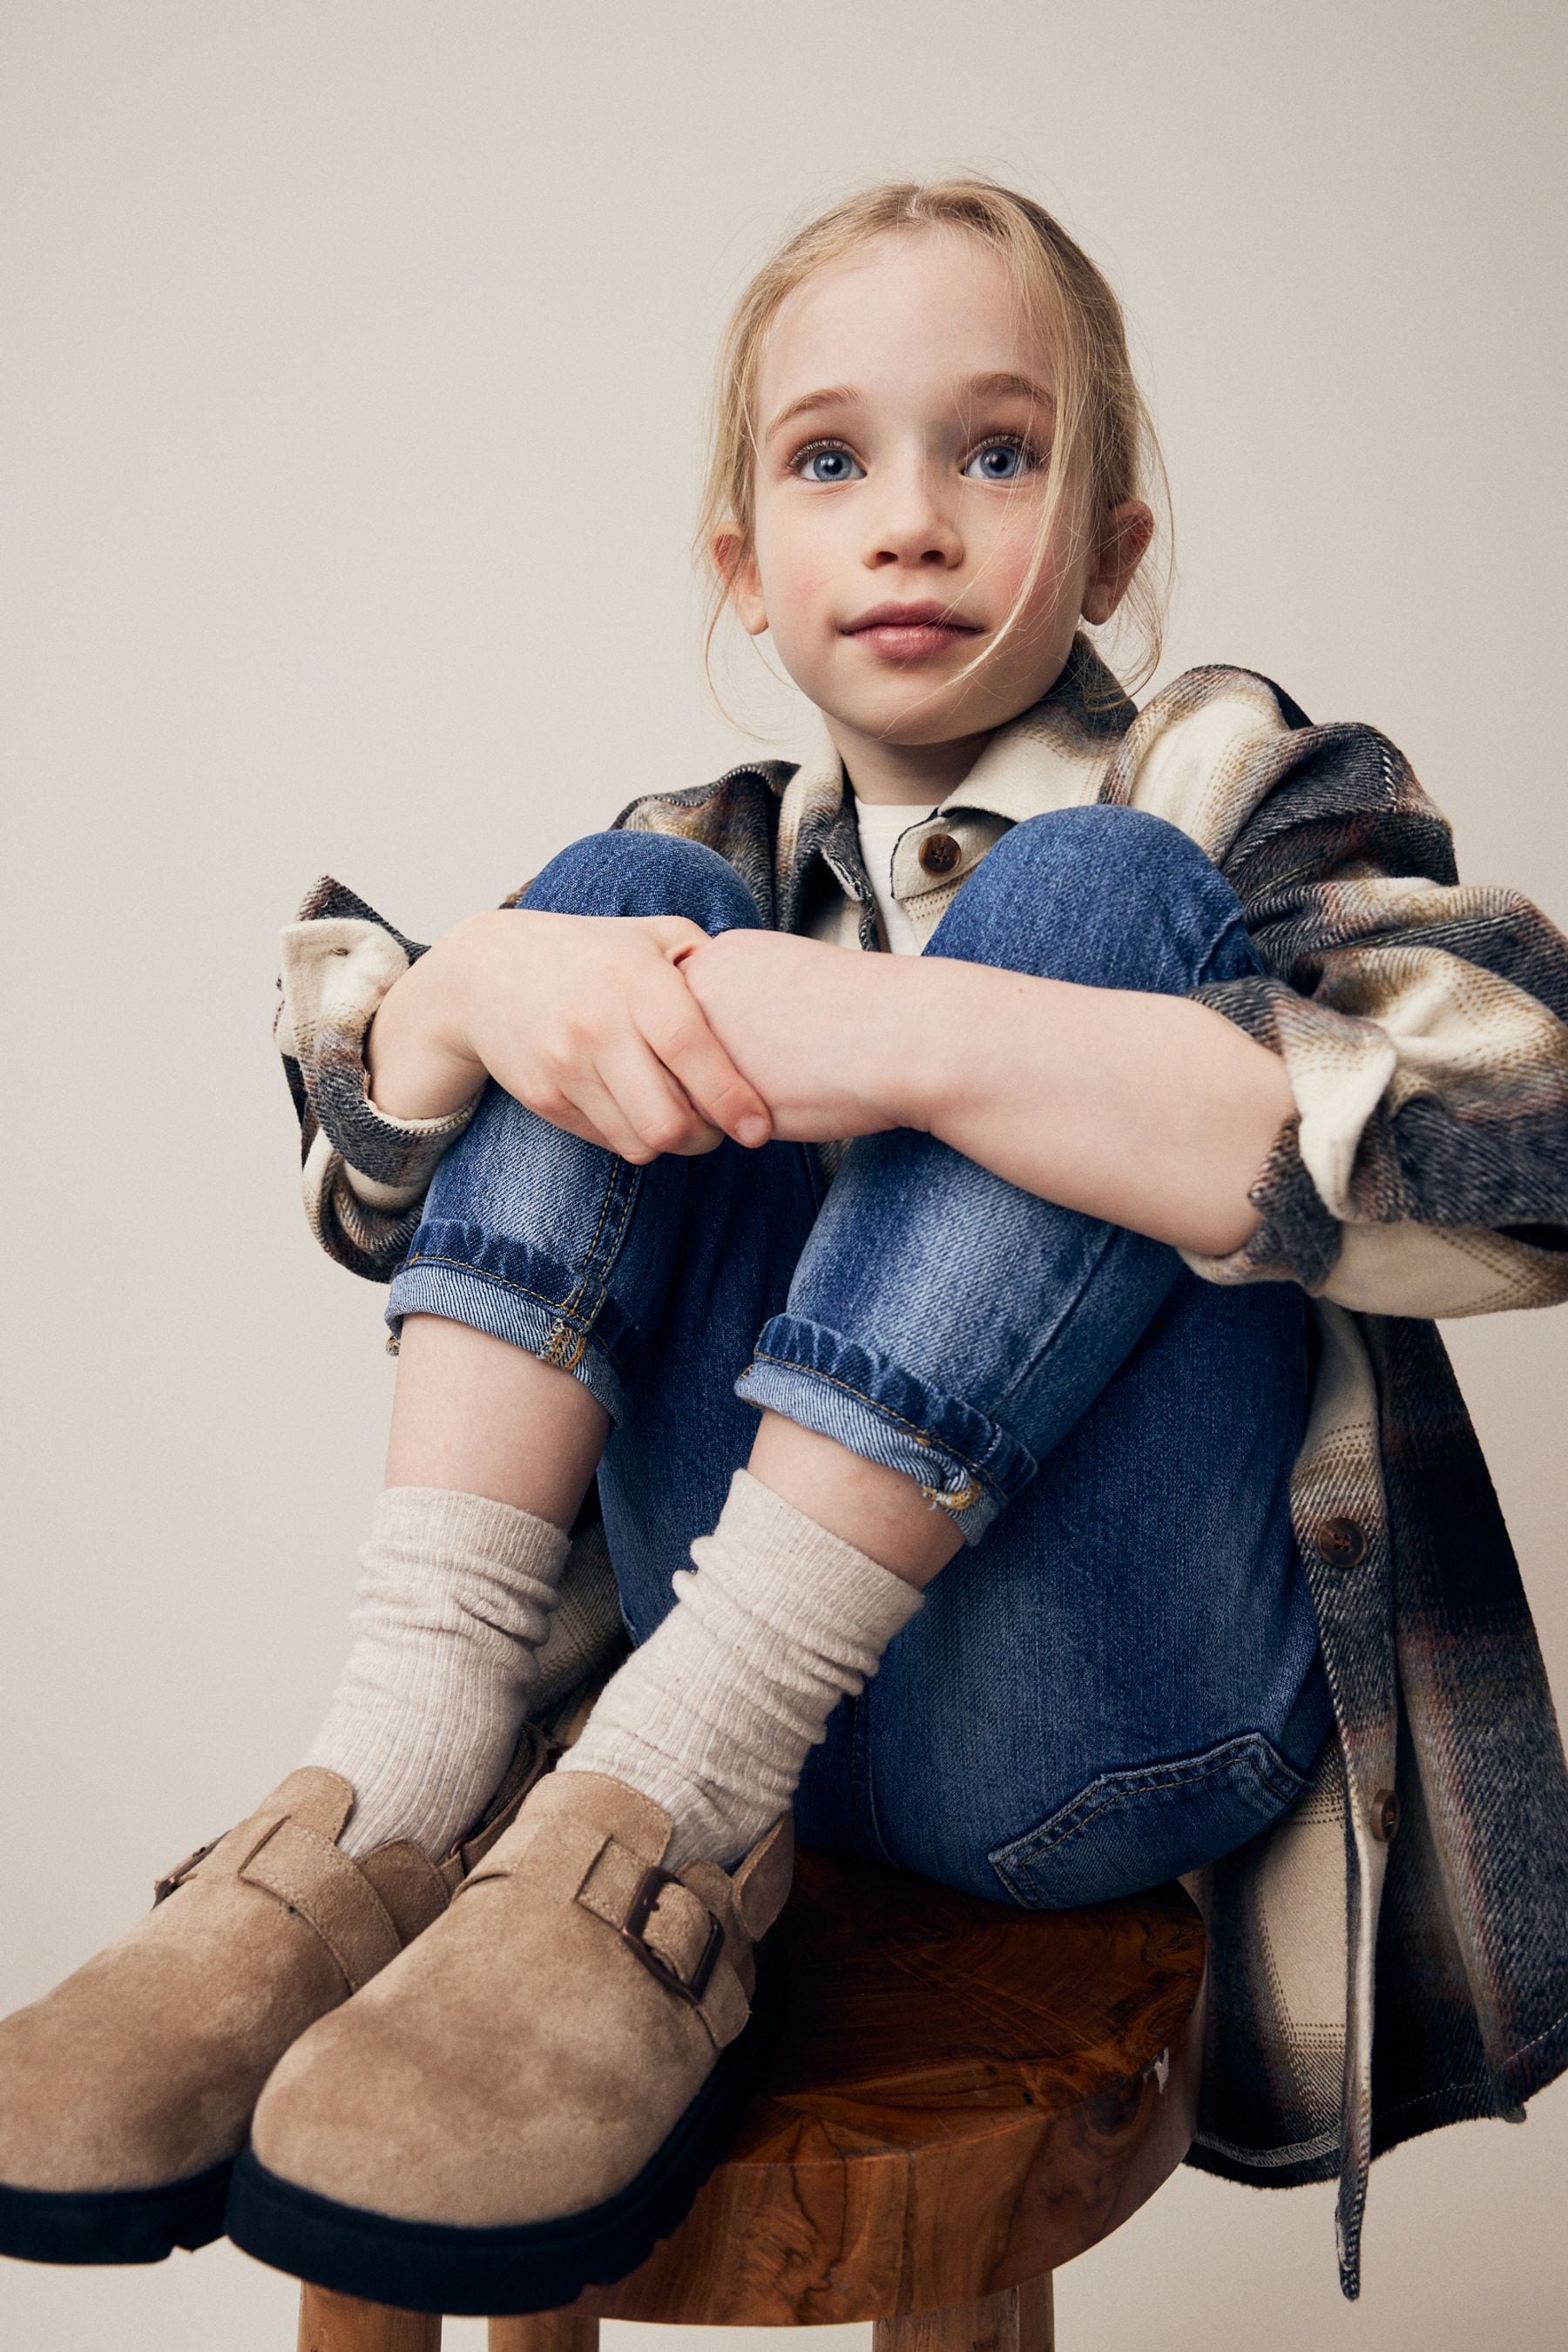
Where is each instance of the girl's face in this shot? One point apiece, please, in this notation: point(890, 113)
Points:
point(904, 424)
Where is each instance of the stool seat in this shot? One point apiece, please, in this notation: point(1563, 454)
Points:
point(964, 2096)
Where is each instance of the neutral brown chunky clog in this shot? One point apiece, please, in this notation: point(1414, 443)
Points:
point(126, 2092)
point(533, 2093)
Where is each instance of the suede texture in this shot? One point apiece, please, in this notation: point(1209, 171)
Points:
point(520, 2063)
point(142, 2069)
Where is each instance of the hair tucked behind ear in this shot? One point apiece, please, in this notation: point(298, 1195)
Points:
point(1102, 434)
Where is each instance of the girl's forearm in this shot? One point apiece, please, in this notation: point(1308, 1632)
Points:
point(1151, 1111)
point(413, 1051)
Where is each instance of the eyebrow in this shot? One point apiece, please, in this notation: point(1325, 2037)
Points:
point(834, 395)
point(999, 386)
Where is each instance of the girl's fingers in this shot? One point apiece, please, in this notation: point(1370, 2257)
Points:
point(677, 1028)
point(606, 1123)
point(652, 1102)
point(676, 934)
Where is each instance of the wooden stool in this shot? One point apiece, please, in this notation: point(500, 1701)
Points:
point(965, 2095)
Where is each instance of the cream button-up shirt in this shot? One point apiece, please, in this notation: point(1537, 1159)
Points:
point(1023, 771)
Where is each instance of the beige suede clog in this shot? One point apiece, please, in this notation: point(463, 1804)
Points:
point(533, 2094)
point(126, 2093)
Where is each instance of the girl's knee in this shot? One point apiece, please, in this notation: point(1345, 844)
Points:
point(1114, 851)
point(626, 873)
point(1103, 894)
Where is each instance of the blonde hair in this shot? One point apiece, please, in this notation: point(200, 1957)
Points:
point(1102, 437)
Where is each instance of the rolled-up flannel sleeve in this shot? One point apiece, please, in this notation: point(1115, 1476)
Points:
point(365, 1173)
point(1424, 1026)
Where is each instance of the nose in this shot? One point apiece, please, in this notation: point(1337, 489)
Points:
point(912, 522)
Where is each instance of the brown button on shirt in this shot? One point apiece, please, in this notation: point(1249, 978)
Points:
point(1022, 772)
point(938, 853)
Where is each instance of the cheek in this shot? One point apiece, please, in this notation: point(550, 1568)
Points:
point(1004, 561)
point(797, 569)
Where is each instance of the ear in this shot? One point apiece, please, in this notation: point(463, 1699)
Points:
point(736, 565)
point(1123, 542)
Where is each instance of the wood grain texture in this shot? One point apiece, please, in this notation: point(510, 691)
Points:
point(965, 2097)
point(545, 2331)
point(341, 2323)
point(1021, 2320)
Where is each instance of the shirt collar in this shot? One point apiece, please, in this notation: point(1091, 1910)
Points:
point(1051, 756)
point(817, 821)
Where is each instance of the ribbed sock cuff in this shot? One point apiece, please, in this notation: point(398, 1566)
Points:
point(797, 1578)
point(714, 1716)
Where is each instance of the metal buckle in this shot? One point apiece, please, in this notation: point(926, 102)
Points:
point(650, 1887)
point(165, 1886)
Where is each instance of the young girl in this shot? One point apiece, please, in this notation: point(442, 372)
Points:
point(1079, 1255)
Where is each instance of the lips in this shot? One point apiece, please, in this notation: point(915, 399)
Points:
point(909, 631)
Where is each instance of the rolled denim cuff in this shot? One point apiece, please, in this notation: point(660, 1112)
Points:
point(964, 1464)
point(507, 1309)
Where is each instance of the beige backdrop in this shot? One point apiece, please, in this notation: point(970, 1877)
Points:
point(354, 354)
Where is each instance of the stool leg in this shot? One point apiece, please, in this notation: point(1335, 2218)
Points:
point(341, 2323)
point(1017, 2320)
point(544, 2331)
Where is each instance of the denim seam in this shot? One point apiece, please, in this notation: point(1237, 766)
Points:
point(1015, 1852)
point(573, 1301)
point(921, 1436)
point(584, 1328)
point(575, 1326)
point(573, 1296)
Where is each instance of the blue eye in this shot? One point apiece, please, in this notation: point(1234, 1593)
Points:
point(827, 462)
point(999, 461)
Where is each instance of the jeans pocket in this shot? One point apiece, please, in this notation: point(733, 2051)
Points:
point(1125, 1831)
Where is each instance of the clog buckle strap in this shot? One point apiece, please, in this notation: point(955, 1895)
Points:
point(679, 1932)
point(307, 1873)
point(691, 1986)
point(163, 1887)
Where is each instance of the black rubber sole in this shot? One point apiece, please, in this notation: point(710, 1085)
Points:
point(533, 2266)
point(113, 2225)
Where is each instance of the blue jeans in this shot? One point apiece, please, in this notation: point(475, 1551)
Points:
point(1118, 1677)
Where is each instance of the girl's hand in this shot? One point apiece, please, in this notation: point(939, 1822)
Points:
point(823, 1032)
point(586, 1019)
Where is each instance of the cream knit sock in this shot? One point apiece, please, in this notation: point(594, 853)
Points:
point(454, 1603)
point(715, 1714)
point(587, 1632)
